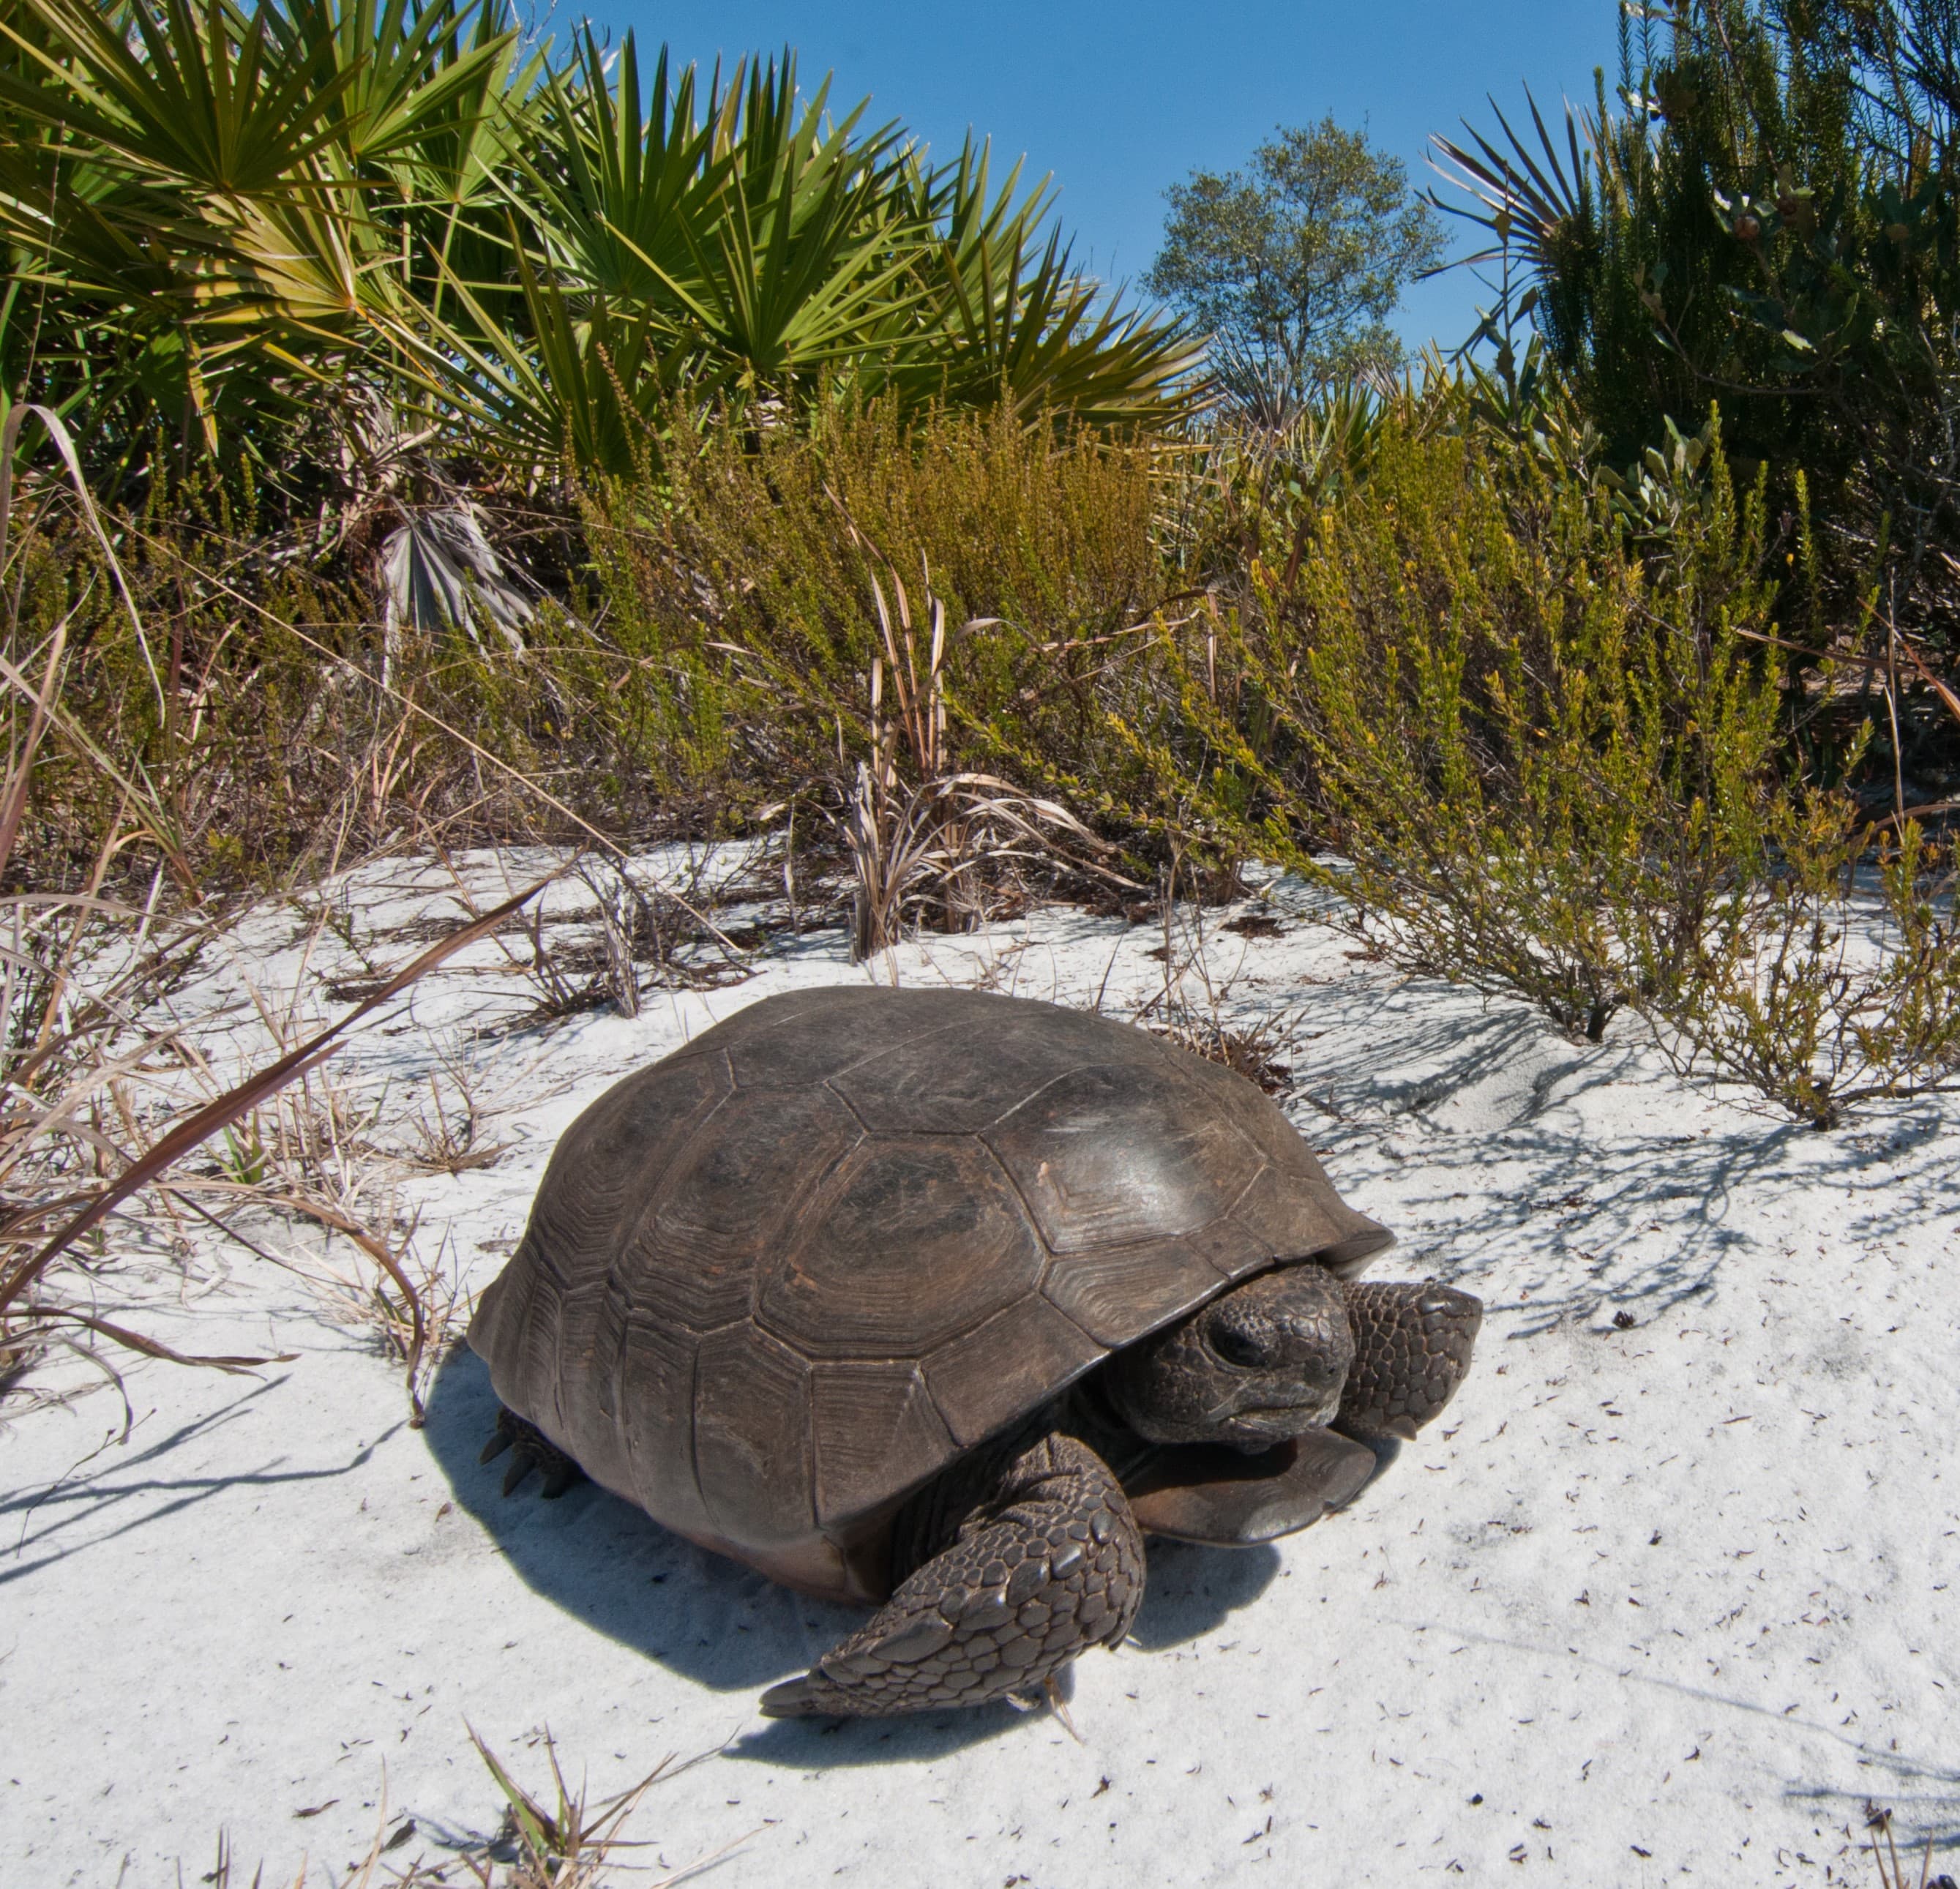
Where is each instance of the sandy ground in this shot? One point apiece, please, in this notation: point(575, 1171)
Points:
point(1665, 1598)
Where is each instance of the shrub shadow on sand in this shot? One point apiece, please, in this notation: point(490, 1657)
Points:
point(85, 1510)
point(1504, 1141)
point(721, 1625)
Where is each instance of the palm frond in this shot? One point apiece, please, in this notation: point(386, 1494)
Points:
point(200, 96)
point(1526, 198)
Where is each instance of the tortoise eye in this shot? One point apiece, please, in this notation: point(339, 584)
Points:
point(1236, 1347)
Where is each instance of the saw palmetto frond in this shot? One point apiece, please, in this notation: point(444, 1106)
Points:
point(1525, 198)
point(221, 208)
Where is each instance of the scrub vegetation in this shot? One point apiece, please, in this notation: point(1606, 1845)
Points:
point(417, 436)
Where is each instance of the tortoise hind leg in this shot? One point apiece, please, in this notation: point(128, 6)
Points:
point(531, 1449)
point(1050, 1563)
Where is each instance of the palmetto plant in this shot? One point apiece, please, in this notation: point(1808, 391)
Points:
point(1530, 202)
point(207, 208)
point(756, 248)
point(741, 245)
point(218, 211)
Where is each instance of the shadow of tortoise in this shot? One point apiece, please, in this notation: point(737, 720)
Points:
point(723, 1625)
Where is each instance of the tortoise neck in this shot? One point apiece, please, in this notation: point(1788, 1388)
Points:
point(1086, 1411)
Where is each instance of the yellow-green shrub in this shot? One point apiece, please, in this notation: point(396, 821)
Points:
point(751, 573)
point(1555, 769)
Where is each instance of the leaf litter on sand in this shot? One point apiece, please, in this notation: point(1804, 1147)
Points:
point(1564, 1183)
point(561, 1844)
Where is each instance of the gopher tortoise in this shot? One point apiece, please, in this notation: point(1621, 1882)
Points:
point(941, 1301)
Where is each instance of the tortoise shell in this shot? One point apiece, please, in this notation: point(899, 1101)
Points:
point(778, 1280)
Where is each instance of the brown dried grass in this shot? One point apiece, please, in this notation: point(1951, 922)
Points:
point(83, 1074)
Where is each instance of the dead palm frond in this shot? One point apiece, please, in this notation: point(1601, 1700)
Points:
point(441, 571)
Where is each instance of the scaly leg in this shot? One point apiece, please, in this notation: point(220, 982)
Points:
point(1049, 1563)
point(1412, 1346)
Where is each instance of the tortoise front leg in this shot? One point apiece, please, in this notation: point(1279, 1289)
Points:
point(1050, 1563)
point(1412, 1344)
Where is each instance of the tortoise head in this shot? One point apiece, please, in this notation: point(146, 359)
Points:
point(1295, 1348)
point(1265, 1361)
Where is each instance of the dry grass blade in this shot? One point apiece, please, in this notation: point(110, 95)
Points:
point(1254, 1051)
point(40, 713)
point(151, 1347)
point(1892, 1872)
point(411, 1308)
point(57, 431)
point(448, 1131)
point(406, 703)
point(365, 1874)
point(1931, 681)
point(241, 1099)
point(564, 1845)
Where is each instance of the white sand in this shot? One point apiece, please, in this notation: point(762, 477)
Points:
point(1663, 1604)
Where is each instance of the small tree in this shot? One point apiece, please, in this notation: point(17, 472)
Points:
point(1296, 263)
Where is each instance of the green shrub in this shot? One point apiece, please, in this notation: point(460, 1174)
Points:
point(1835, 979)
point(744, 587)
point(1554, 769)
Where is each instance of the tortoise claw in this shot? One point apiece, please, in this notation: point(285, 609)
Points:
point(558, 1478)
point(797, 1698)
point(531, 1449)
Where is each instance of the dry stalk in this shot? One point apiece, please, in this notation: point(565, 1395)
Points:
point(371, 1872)
point(447, 1133)
point(638, 922)
point(625, 914)
point(88, 1073)
point(1200, 1024)
point(1892, 1872)
point(412, 1306)
point(76, 1175)
point(924, 852)
point(81, 976)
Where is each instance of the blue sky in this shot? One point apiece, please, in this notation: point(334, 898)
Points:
point(1120, 100)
